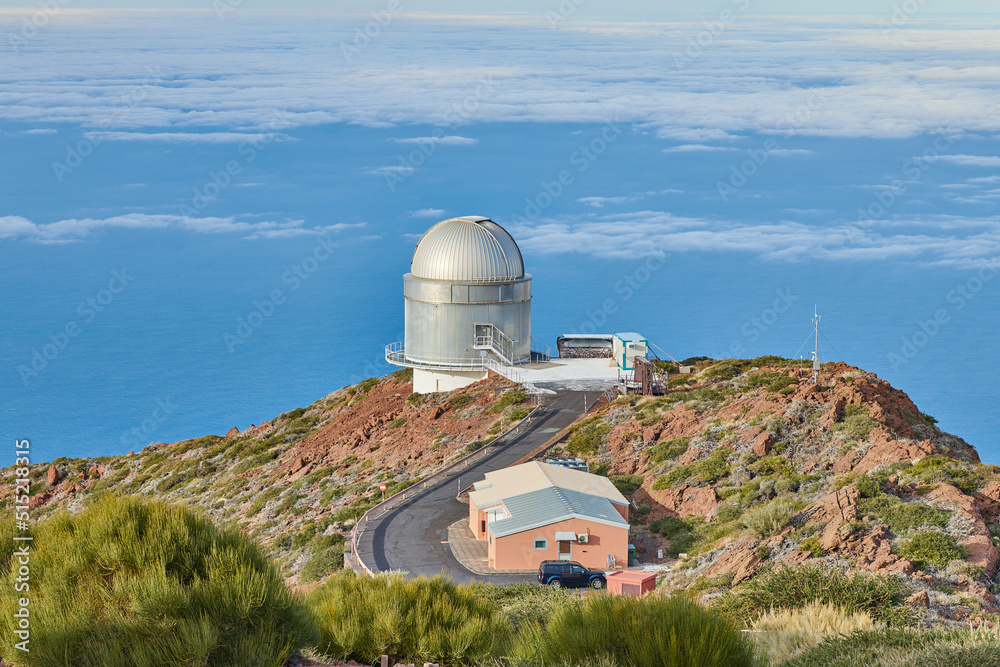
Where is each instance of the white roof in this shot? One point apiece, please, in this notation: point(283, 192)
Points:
point(467, 249)
point(534, 476)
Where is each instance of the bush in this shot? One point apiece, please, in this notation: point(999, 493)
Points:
point(770, 518)
point(708, 470)
point(785, 633)
point(880, 596)
point(460, 401)
point(506, 400)
point(526, 603)
point(327, 557)
point(932, 548)
point(649, 631)
point(420, 620)
point(682, 533)
point(902, 516)
point(668, 450)
point(587, 436)
point(627, 484)
point(857, 427)
point(396, 423)
point(137, 583)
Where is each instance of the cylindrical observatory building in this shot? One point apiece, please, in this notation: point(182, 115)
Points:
point(467, 305)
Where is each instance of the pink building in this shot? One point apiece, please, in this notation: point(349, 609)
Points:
point(537, 511)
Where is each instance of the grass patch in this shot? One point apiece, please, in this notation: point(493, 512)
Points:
point(880, 596)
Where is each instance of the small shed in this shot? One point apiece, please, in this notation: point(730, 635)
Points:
point(630, 582)
point(626, 347)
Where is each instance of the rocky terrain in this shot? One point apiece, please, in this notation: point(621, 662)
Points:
point(747, 465)
point(744, 465)
point(299, 481)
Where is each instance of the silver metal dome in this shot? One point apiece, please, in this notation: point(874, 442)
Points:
point(468, 249)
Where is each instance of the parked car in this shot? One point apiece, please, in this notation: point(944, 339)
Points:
point(559, 573)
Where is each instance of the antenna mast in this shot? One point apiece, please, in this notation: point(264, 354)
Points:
point(816, 320)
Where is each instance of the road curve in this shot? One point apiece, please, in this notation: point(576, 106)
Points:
point(412, 537)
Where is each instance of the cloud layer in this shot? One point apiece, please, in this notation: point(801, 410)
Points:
point(943, 241)
point(70, 230)
point(824, 77)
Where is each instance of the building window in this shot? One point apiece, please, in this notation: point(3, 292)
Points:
point(541, 544)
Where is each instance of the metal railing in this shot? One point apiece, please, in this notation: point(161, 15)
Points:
point(444, 473)
point(490, 337)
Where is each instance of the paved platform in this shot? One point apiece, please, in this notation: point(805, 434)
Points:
point(571, 374)
point(473, 554)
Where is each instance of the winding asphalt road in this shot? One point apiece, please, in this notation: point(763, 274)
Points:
point(411, 537)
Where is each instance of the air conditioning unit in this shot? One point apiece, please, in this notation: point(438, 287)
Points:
point(582, 538)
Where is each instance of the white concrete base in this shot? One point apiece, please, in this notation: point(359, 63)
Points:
point(428, 382)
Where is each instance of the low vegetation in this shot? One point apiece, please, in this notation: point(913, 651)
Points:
point(880, 596)
point(782, 634)
point(134, 583)
point(635, 632)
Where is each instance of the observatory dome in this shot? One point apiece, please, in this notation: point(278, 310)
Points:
point(469, 249)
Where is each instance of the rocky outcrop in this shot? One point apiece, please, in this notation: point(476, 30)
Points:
point(52, 477)
point(982, 552)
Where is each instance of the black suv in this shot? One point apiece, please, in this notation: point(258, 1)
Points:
point(559, 573)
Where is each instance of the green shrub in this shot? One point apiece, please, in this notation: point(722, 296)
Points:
point(420, 620)
point(367, 385)
point(856, 427)
point(881, 596)
point(811, 544)
point(902, 516)
point(519, 413)
point(396, 423)
point(709, 470)
point(526, 603)
point(868, 487)
point(682, 533)
point(133, 583)
point(773, 466)
point(650, 631)
point(460, 401)
point(627, 484)
point(937, 468)
point(327, 557)
point(769, 518)
point(587, 436)
point(506, 400)
point(414, 399)
point(668, 450)
point(932, 548)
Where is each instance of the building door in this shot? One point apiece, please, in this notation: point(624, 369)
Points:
point(565, 550)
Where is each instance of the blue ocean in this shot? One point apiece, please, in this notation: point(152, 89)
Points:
point(184, 274)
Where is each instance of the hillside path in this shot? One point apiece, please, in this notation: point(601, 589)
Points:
point(412, 537)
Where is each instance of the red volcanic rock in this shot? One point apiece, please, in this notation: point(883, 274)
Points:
point(988, 502)
point(690, 454)
point(53, 476)
point(232, 433)
point(980, 546)
point(919, 600)
point(762, 443)
point(885, 450)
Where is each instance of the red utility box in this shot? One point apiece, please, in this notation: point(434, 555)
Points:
point(630, 582)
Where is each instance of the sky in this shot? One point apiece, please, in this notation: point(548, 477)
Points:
point(632, 10)
point(852, 162)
